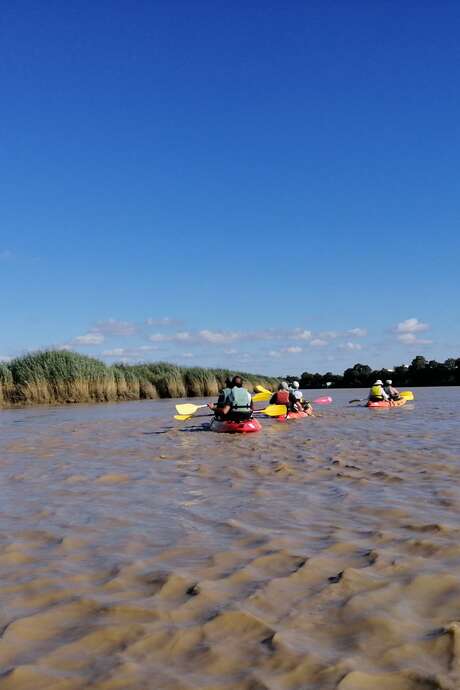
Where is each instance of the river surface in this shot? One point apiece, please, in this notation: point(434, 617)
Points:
point(140, 553)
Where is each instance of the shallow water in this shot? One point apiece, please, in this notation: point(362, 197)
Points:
point(136, 552)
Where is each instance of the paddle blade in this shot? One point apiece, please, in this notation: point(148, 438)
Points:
point(262, 397)
point(323, 400)
point(188, 408)
point(274, 410)
point(261, 389)
point(407, 394)
point(354, 401)
point(182, 417)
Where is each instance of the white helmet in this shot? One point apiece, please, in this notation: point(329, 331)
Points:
point(378, 383)
point(388, 382)
point(283, 386)
point(295, 384)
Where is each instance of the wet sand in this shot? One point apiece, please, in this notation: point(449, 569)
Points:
point(138, 553)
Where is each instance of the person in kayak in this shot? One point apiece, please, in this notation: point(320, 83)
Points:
point(282, 395)
point(377, 392)
point(392, 393)
point(298, 402)
point(239, 401)
point(222, 401)
point(235, 402)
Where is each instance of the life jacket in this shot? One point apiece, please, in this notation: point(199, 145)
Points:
point(282, 398)
point(240, 399)
point(377, 392)
point(224, 396)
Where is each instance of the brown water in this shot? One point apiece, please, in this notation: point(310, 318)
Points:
point(322, 553)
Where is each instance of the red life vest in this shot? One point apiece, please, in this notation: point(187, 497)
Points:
point(282, 398)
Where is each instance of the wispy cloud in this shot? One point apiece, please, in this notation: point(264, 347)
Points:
point(91, 338)
point(350, 346)
point(165, 321)
point(411, 326)
point(130, 352)
point(180, 337)
point(357, 332)
point(318, 342)
point(406, 332)
point(219, 337)
point(411, 339)
point(329, 334)
point(5, 358)
point(115, 327)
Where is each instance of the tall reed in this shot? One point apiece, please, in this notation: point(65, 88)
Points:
point(59, 376)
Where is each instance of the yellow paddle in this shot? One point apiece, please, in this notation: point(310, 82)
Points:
point(407, 394)
point(188, 408)
point(270, 411)
point(261, 389)
point(274, 410)
point(262, 397)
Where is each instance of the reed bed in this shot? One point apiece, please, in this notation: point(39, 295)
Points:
point(57, 376)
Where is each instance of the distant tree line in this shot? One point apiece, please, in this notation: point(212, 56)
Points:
point(420, 372)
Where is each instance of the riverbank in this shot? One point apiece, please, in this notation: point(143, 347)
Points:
point(59, 377)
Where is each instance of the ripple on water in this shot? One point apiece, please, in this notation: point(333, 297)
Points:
point(320, 554)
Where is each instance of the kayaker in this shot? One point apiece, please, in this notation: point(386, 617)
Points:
point(282, 395)
point(392, 393)
point(377, 392)
point(222, 401)
point(235, 402)
point(239, 401)
point(298, 402)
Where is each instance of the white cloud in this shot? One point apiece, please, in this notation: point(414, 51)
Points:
point(115, 327)
point(165, 321)
point(318, 342)
point(274, 353)
point(328, 334)
point(350, 346)
point(92, 338)
point(130, 352)
point(411, 339)
point(218, 336)
point(188, 354)
point(301, 334)
point(357, 332)
point(180, 337)
point(292, 350)
point(411, 326)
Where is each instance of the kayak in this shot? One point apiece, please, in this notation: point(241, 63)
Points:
point(387, 403)
point(229, 427)
point(293, 415)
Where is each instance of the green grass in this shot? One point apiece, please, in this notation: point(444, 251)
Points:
point(59, 376)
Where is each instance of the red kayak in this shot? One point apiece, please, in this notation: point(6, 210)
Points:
point(387, 403)
point(228, 427)
point(293, 415)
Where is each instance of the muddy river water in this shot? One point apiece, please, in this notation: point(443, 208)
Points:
point(139, 553)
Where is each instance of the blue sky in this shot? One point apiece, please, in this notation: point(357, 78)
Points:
point(273, 188)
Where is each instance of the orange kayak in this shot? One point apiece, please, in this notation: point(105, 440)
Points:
point(293, 415)
point(387, 403)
